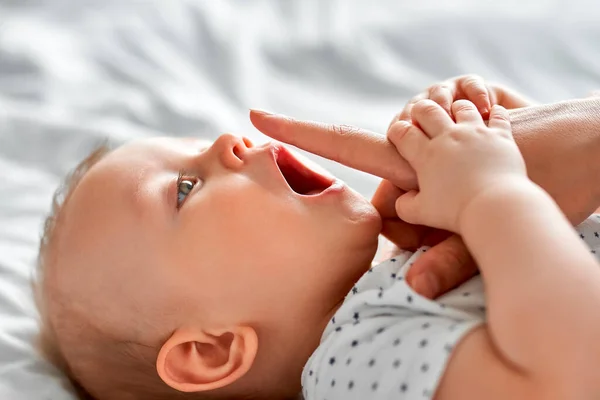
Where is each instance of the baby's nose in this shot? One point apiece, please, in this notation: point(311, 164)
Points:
point(232, 149)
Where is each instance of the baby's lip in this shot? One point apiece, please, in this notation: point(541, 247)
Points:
point(298, 176)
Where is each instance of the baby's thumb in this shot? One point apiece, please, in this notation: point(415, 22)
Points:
point(407, 207)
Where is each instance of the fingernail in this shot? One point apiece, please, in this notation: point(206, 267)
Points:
point(425, 285)
point(268, 121)
point(259, 111)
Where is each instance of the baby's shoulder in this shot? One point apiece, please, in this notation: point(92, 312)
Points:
point(384, 349)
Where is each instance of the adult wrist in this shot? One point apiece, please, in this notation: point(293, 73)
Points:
point(560, 143)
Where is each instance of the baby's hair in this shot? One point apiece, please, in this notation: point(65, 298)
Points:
point(127, 368)
point(46, 340)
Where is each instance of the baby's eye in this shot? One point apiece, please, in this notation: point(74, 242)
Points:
point(185, 184)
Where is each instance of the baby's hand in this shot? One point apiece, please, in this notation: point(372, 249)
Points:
point(454, 161)
point(467, 87)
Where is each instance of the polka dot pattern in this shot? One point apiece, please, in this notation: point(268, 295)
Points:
point(386, 341)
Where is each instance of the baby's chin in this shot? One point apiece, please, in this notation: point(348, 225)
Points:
point(363, 210)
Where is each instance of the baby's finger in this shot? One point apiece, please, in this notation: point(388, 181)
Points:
point(476, 91)
point(409, 141)
point(406, 113)
point(431, 117)
point(465, 112)
point(493, 96)
point(443, 94)
point(407, 207)
point(499, 118)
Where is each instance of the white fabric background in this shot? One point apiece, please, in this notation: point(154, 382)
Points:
point(73, 72)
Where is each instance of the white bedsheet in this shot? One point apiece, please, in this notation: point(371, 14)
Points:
point(73, 72)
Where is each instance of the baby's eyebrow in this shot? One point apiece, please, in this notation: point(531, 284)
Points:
point(168, 196)
point(136, 199)
point(151, 198)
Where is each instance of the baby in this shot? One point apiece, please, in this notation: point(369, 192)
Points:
point(177, 268)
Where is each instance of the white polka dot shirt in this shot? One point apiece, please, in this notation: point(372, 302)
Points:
point(387, 342)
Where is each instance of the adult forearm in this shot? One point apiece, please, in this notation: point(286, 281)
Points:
point(542, 284)
point(561, 146)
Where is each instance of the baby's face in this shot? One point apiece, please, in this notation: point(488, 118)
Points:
point(181, 231)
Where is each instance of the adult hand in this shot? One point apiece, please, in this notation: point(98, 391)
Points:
point(560, 143)
point(449, 263)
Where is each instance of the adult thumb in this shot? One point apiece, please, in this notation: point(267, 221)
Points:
point(442, 268)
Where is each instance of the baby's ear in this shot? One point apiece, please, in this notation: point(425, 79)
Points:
point(196, 360)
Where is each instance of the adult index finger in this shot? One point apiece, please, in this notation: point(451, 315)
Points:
point(354, 147)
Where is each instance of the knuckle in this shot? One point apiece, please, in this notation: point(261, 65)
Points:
point(476, 86)
point(438, 88)
point(481, 130)
point(456, 135)
point(426, 107)
point(398, 130)
point(472, 80)
point(481, 94)
point(441, 94)
point(499, 117)
point(457, 252)
point(455, 257)
point(431, 89)
point(336, 130)
point(462, 106)
point(343, 130)
point(416, 99)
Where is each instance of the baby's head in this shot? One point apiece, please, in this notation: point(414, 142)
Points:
point(177, 268)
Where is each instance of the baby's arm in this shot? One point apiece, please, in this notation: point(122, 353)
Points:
point(542, 312)
point(542, 285)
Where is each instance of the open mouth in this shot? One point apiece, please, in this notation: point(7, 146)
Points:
point(298, 176)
